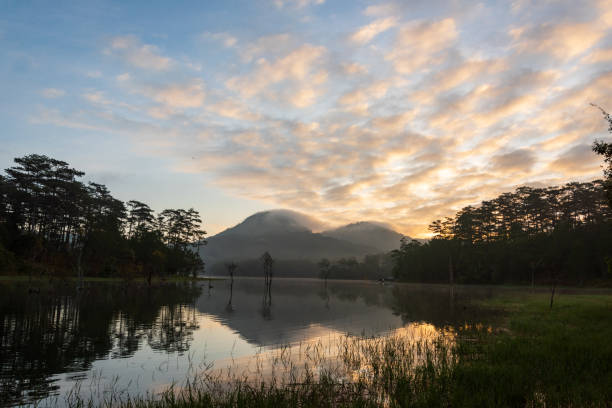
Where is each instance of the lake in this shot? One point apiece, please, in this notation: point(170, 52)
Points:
point(129, 338)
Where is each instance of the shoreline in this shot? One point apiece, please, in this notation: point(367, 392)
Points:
point(94, 279)
point(603, 285)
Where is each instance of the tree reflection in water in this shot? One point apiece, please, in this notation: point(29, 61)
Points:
point(62, 330)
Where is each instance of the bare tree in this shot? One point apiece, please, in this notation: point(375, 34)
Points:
point(231, 268)
point(267, 262)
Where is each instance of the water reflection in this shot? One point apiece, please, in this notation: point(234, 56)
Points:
point(151, 336)
point(442, 305)
point(61, 330)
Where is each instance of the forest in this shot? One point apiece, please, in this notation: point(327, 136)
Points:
point(532, 236)
point(371, 267)
point(53, 223)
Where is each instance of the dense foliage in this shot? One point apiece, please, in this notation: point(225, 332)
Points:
point(372, 267)
point(533, 234)
point(52, 221)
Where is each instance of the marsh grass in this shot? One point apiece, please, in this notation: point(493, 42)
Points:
point(558, 357)
point(338, 371)
point(540, 358)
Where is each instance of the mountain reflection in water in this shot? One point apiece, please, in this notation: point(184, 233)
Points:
point(140, 339)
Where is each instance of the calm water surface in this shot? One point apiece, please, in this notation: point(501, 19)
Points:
point(138, 339)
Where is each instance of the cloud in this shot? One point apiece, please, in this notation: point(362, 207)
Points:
point(270, 45)
point(383, 9)
point(297, 3)
point(561, 40)
point(419, 43)
point(96, 97)
point(579, 159)
point(232, 109)
point(597, 56)
point(190, 95)
point(520, 160)
point(301, 68)
point(178, 95)
point(226, 39)
point(366, 33)
point(340, 193)
point(465, 71)
point(392, 123)
point(143, 56)
point(488, 105)
point(359, 100)
point(304, 96)
point(353, 68)
point(55, 117)
point(52, 93)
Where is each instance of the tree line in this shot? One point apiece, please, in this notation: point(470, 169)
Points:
point(532, 235)
point(371, 267)
point(52, 222)
point(527, 212)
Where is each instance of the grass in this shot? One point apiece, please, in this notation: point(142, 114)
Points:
point(549, 357)
point(362, 372)
point(541, 357)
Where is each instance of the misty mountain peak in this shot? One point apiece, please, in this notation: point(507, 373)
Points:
point(276, 222)
point(375, 234)
point(289, 235)
point(365, 225)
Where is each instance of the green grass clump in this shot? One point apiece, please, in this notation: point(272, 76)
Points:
point(550, 357)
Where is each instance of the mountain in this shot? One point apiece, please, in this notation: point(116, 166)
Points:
point(288, 235)
point(377, 235)
point(274, 222)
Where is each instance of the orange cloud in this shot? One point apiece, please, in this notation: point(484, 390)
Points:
point(366, 33)
point(419, 43)
point(561, 40)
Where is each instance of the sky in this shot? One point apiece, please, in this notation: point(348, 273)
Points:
point(400, 112)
